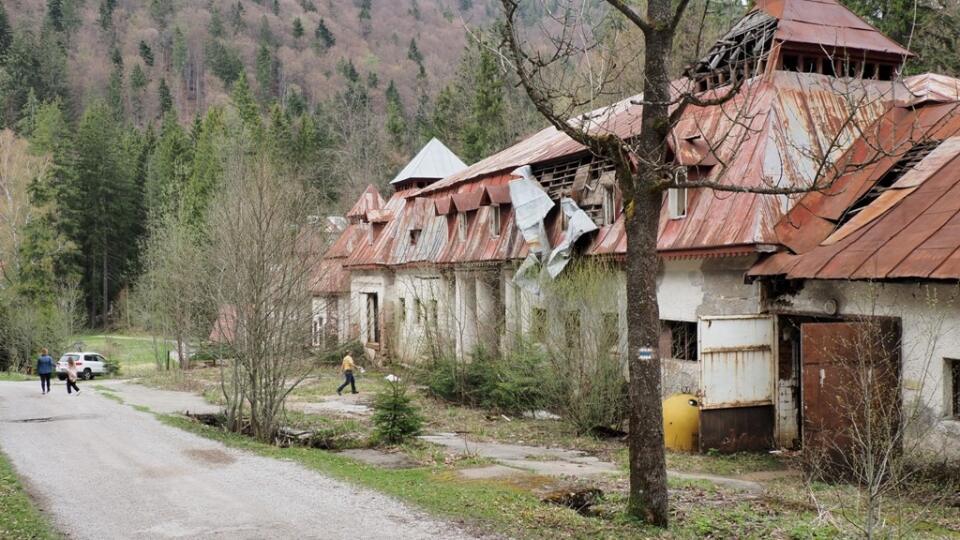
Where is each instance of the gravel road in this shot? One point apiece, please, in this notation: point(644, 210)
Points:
point(103, 470)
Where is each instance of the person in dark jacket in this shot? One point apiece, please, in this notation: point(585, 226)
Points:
point(45, 367)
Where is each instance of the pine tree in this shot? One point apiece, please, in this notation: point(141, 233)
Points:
point(486, 123)
point(324, 35)
point(168, 170)
point(206, 173)
point(55, 14)
point(161, 11)
point(179, 51)
point(243, 100)
point(396, 119)
point(115, 90)
point(297, 29)
point(215, 27)
point(365, 23)
point(105, 17)
point(146, 53)
point(265, 34)
point(138, 82)
point(35, 63)
point(6, 35)
point(166, 99)
point(236, 18)
point(266, 72)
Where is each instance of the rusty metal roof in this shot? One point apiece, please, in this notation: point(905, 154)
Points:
point(911, 230)
point(369, 200)
point(827, 24)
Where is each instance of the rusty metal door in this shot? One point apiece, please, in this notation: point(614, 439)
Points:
point(737, 367)
point(737, 382)
point(847, 367)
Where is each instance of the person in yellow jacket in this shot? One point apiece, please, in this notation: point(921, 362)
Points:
point(347, 367)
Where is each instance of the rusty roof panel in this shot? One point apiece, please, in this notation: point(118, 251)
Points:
point(369, 200)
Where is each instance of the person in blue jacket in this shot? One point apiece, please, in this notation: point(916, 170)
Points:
point(45, 367)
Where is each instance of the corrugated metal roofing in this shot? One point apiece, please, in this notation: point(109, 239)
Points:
point(909, 231)
point(433, 162)
point(827, 23)
point(369, 200)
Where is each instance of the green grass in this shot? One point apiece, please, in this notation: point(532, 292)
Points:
point(19, 518)
point(15, 376)
point(136, 353)
point(509, 506)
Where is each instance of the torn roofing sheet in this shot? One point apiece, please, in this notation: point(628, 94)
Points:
point(578, 224)
point(531, 205)
point(912, 230)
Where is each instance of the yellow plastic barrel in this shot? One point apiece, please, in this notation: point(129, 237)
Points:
point(681, 422)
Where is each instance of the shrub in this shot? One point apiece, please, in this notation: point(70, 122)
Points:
point(112, 365)
point(395, 417)
point(334, 355)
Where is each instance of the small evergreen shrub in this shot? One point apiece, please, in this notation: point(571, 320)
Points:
point(395, 417)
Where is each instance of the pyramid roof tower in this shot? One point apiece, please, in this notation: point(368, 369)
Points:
point(433, 162)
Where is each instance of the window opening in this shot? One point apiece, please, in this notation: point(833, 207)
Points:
point(495, 221)
point(462, 226)
point(538, 324)
point(402, 310)
point(908, 161)
point(739, 54)
point(414, 236)
point(680, 337)
point(677, 202)
point(609, 201)
point(952, 381)
point(418, 314)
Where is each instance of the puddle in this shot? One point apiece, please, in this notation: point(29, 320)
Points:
point(44, 419)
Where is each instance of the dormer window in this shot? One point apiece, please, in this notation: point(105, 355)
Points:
point(677, 202)
point(414, 236)
point(495, 220)
point(462, 226)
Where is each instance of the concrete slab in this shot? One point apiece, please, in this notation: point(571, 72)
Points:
point(491, 472)
point(159, 401)
point(385, 460)
point(562, 468)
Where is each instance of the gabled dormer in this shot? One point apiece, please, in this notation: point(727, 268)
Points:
point(809, 36)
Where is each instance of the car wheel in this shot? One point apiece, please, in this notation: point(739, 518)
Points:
point(61, 377)
point(87, 374)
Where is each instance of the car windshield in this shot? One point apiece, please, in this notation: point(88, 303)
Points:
point(66, 358)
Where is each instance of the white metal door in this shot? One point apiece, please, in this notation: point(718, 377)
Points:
point(737, 367)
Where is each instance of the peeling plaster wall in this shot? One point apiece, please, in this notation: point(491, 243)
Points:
point(336, 314)
point(930, 320)
point(412, 332)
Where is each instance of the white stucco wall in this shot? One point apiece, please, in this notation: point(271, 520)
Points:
point(413, 333)
point(930, 321)
point(361, 284)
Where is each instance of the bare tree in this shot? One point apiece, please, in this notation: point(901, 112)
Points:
point(577, 67)
point(262, 254)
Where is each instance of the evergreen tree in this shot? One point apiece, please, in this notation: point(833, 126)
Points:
point(146, 53)
point(396, 119)
point(166, 99)
point(168, 170)
point(6, 35)
point(297, 29)
point(115, 88)
point(215, 27)
point(55, 15)
point(161, 11)
point(236, 18)
point(206, 173)
point(276, 7)
point(264, 33)
point(413, 53)
point(266, 72)
point(324, 35)
point(486, 123)
point(31, 62)
point(138, 82)
point(179, 51)
point(365, 23)
point(99, 208)
point(105, 17)
point(224, 61)
point(246, 105)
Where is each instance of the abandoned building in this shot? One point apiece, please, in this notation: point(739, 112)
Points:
point(751, 286)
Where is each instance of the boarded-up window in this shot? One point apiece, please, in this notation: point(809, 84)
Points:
point(680, 338)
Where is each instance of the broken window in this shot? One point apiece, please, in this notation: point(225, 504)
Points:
point(908, 161)
point(741, 53)
point(680, 338)
point(495, 221)
point(952, 383)
point(677, 202)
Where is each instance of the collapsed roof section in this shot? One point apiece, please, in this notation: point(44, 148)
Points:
point(905, 203)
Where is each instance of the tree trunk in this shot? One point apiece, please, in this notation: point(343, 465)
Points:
point(648, 475)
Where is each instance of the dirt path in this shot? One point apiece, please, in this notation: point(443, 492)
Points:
point(103, 470)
